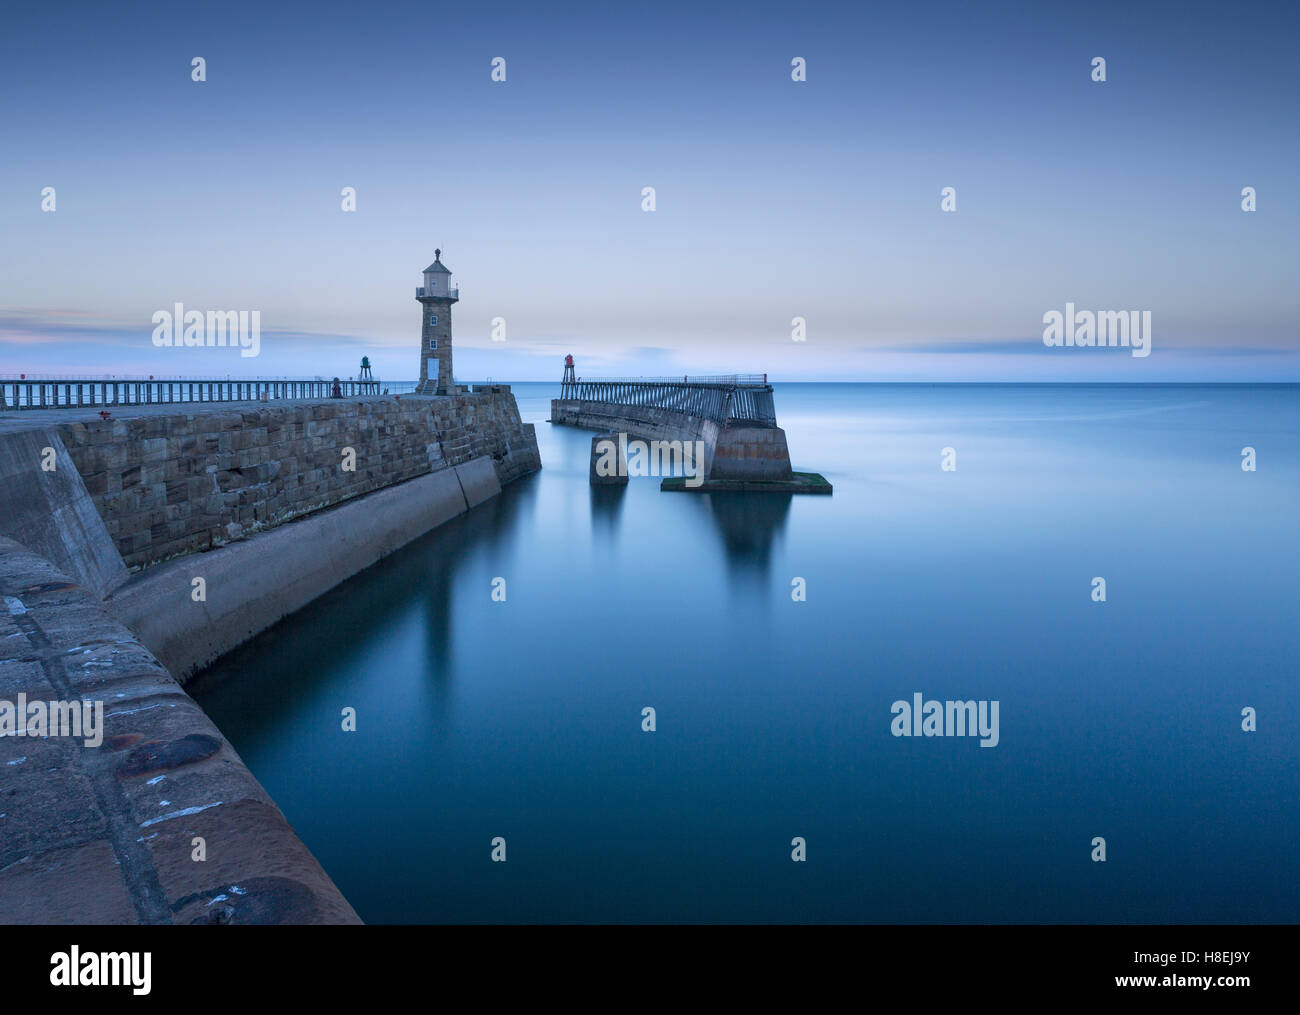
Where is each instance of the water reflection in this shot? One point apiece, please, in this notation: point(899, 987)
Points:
point(606, 508)
point(749, 524)
point(369, 614)
point(435, 560)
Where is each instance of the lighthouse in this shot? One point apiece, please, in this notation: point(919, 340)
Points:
point(435, 298)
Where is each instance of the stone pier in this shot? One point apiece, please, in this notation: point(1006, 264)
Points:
point(105, 525)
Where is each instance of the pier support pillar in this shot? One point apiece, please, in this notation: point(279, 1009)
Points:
point(610, 454)
point(751, 453)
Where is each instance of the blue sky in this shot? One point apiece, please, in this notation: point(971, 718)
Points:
point(775, 199)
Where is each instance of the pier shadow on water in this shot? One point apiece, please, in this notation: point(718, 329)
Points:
point(749, 524)
point(607, 509)
point(416, 584)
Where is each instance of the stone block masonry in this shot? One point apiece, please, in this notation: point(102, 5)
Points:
point(170, 483)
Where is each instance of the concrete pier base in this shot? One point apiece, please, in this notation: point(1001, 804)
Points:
point(612, 469)
point(751, 454)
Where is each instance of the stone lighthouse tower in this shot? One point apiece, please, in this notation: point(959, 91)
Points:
point(436, 297)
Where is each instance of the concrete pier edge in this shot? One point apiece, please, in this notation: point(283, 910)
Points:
point(251, 584)
point(112, 833)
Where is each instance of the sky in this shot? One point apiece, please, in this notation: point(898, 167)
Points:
point(775, 199)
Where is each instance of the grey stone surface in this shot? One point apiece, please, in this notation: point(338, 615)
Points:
point(435, 364)
point(51, 512)
point(105, 834)
point(615, 458)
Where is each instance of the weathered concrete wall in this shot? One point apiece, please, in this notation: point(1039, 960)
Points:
point(106, 834)
point(167, 483)
point(48, 510)
point(607, 456)
point(751, 453)
point(478, 481)
point(638, 421)
point(748, 453)
point(251, 584)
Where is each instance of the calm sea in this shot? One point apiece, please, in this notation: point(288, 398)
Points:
point(1119, 719)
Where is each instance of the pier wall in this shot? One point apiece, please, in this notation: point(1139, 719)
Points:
point(108, 833)
point(740, 453)
point(111, 833)
point(251, 584)
point(168, 483)
point(646, 422)
point(206, 493)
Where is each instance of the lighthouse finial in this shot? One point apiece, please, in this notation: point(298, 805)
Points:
point(437, 253)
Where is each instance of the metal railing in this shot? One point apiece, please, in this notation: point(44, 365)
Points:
point(451, 294)
point(104, 392)
point(736, 400)
point(730, 380)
